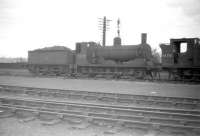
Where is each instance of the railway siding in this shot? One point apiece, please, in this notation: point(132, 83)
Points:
point(111, 98)
point(108, 109)
point(158, 111)
point(41, 107)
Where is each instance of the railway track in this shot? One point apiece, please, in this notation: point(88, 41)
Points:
point(107, 109)
point(108, 116)
point(106, 98)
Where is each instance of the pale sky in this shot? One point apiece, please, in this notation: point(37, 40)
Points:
point(31, 24)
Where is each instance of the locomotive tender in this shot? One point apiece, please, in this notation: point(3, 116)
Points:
point(50, 60)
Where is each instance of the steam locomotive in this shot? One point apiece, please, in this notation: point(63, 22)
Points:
point(90, 58)
point(181, 58)
point(118, 61)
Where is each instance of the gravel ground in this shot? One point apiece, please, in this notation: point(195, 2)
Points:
point(15, 127)
point(111, 86)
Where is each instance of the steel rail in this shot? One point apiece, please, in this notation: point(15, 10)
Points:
point(105, 108)
point(111, 105)
point(109, 97)
point(121, 122)
point(42, 105)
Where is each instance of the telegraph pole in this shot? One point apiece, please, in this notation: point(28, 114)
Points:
point(104, 31)
point(104, 26)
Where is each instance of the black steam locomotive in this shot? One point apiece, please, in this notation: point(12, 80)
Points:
point(118, 61)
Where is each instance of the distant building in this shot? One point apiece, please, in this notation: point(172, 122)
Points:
point(12, 60)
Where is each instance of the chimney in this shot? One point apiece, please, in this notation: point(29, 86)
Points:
point(144, 38)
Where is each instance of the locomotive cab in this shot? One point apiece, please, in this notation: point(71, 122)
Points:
point(181, 58)
point(181, 52)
